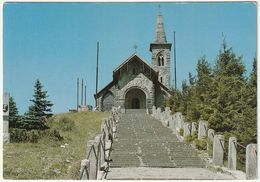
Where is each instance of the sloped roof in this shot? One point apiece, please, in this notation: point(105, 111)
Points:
point(131, 58)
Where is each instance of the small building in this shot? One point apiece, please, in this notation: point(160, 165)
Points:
point(136, 84)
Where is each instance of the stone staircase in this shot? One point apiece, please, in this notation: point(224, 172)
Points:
point(143, 141)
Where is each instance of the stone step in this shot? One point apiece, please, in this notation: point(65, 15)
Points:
point(144, 141)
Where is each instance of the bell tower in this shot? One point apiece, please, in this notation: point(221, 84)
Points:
point(160, 50)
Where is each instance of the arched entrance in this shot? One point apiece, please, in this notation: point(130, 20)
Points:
point(135, 99)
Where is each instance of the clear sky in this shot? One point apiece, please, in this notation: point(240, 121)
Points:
point(56, 42)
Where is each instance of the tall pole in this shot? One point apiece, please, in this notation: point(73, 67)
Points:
point(85, 95)
point(97, 72)
point(77, 94)
point(82, 92)
point(175, 77)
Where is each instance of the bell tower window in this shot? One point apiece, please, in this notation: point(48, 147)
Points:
point(160, 60)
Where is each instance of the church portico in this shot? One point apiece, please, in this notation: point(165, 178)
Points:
point(135, 98)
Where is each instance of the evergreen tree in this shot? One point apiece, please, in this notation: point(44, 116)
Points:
point(13, 114)
point(35, 117)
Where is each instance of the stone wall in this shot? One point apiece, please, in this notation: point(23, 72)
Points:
point(215, 142)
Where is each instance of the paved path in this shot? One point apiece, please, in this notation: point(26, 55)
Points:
point(145, 149)
point(144, 142)
point(164, 174)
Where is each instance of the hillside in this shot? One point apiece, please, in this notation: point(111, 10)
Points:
point(49, 158)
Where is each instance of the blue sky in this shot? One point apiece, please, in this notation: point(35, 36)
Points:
point(56, 42)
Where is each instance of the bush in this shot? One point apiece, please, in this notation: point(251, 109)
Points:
point(33, 136)
point(22, 135)
point(188, 138)
point(210, 148)
point(200, 144)
point(191, 138)
point(66, 124)
point(181, 132)
point(54, 135)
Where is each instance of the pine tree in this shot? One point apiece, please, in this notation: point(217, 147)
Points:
point(39, 111)
point(13, 114)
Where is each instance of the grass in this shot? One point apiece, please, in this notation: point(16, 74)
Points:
point(47, 159)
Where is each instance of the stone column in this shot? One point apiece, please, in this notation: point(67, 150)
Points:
point(232, 153)
point(153, 111)
point(97, 146)
point(6, 108)
point(102, 150)
point(218, 150)
point(84, 169)
point(186, 131)
point(211, 134)
point(202, 133)
point(251, 161)
point(92, 160)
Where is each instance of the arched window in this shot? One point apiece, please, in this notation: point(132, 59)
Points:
point(161, 79)
point(160, 60)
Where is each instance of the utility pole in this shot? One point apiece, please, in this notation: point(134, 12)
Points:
point(82, 92)
point(85, 95)
point(97, 73)
point(175, 77)
point(77, 94)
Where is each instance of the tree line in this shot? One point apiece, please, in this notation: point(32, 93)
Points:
point(222, 95)
point(37, 114)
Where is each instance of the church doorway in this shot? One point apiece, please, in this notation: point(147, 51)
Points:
point(135, 103)
point(135, 99)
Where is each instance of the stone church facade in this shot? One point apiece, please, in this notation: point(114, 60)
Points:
point(136, 84)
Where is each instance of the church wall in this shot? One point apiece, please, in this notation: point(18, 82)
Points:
point(141, 82)
point(160, 96)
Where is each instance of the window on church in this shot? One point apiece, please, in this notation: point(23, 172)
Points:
point(161, 79)
point(160, 60)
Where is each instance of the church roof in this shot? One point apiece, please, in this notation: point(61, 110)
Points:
point(132, 58)
point(116, 72)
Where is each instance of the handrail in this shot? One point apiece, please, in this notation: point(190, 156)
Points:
point(98, 147)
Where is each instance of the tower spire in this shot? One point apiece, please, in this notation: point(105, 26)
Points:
point(160, 36)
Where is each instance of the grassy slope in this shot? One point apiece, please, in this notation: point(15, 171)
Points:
point(46, 159)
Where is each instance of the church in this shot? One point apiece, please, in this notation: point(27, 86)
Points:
point(136, 84)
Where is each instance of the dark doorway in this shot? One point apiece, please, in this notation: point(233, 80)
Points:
point(135, 98)
point(135, 103)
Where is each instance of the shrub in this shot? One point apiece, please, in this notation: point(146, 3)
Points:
point(181, 132)
point(188, 138)
point(33, 136)
point(66, 124)
point(210, 147)
point(55, 135)
point(22, 135)
point(200, 144)
point(191, 138)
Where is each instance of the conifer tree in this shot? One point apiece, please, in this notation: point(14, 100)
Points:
point(13, 114)
point(39, 111)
